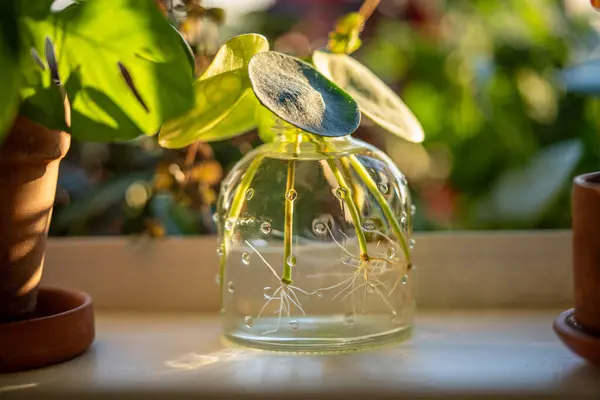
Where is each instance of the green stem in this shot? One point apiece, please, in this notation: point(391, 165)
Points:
point(290, 197)
point(354, 214)
point(235, 209)
point(387, 211)
point(345, 164)
point(348, 199)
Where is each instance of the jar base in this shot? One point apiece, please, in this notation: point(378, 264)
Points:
point(284, 340)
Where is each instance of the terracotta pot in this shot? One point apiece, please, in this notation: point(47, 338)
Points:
point(580, 328)
point(29, 160)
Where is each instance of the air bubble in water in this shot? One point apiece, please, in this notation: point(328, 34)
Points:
point(218, 279)
point(229, 224)
point(246, 258)
point(267, 292)
point(404, 279)
point(341, 193)
point(369, 225)
point(249, 321)
point(294, 324)
point(413, 209)
point(291, 261)
point(231, 287)
point(391, 252)
point(220, 250)
point(291, 195)
point(412, 243)
point(215, 218)
point(383, 187)
point(249, 194)
point(348, 319)
point(319, 227)
point(265, 228)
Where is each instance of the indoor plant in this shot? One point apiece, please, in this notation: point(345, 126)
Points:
point(102, 70)
point(579, 328)
point(312, 190)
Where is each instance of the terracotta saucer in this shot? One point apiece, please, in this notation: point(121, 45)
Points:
point(62, 328)
point(581, 342)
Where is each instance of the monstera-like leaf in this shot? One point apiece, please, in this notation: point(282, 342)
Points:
point(374, 97)
point(225, 104)
point(122, 66)
point(298, 94)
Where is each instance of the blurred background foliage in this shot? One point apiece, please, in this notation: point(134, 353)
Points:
point(503, 137)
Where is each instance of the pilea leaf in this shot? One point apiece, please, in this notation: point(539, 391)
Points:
point(374, 97)
point(269, 124)
point(225, 105)
point(301, 96)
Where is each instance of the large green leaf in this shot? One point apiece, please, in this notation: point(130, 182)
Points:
point(9, 65)
point(301, 96)
point(374, 97)
point(225, 105)
point(122, 65)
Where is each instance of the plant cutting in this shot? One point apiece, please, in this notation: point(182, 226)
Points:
point(104, 70)
point(315, 231)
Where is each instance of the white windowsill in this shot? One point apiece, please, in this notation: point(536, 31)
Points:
point(484, 354)
point(156, 305)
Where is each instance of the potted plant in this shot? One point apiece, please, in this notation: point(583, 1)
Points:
point(103, 70)
point(579, 327)
point(314, 226)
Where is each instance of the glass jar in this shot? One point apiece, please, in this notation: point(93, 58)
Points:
point(314, 240)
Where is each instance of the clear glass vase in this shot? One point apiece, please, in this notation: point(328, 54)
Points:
point(315, 239)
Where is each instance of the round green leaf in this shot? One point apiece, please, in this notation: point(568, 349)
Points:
point(225, 105)
point(374, 97)
point(235, 54)
point(300, 95)
point(269, 125)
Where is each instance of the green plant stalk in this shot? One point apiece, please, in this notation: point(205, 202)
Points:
point(345, 164)
point(288, 228)
point(234, 211)
point(387, 211)
point(354, 214)
point(348, 200)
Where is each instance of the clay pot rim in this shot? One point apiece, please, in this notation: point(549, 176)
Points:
point(84, 300)
point(589, 180)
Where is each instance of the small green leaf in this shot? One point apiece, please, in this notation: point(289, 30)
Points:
point(266, 124)
point(241, 119)
point(374, 97)
point(300, 95)
point(225, 105)
point(235, 54)
point(122, 65)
